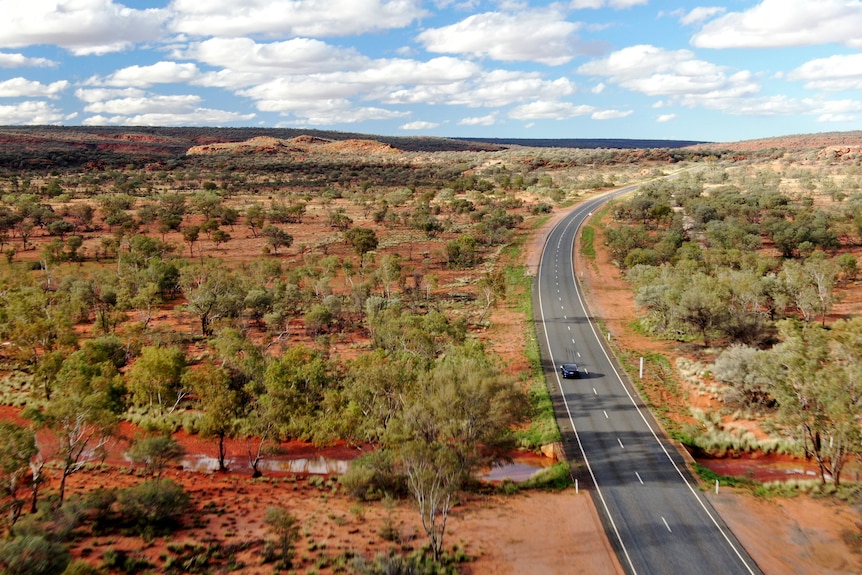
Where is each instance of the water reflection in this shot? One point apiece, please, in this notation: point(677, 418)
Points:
point(311, 465)
point(516, 472)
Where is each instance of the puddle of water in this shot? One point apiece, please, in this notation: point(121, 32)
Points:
point(311, 465)
point(203, 463)
point(516, 472)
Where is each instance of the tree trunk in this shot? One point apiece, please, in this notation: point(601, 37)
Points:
point(221, 453)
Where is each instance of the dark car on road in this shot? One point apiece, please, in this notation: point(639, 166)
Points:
point(568, 370)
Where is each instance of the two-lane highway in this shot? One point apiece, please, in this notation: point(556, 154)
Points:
point(655, 517)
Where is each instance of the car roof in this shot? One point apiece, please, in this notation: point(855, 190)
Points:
point(575, 365)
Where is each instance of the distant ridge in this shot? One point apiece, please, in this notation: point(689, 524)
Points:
point(587, 143)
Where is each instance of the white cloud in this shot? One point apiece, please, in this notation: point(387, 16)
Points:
point(782, 23)
point(611, 114)
point(700, 14)
point(31, 113)
point(146, 76)
point(442, 70)
point(8, 60)
point(598, 88)
point(765, 106)
point(285, 18)
point(836, 108)
point(135, 107)
point(463, 5)
point(843, 72)
point(658, 72)
point(80, 26)
point(323, 109)
point(149, 104)
point(382, 80)
point(837, 118)
point(378, 79)
point(549, 110)
point(100, 94)
point(290, 93)
point(618, 4)
point(21, 87)
point(542, 36)
point(231, 80)
point(491, 89)
point(419, 126)
point(309, 69)
point(781, 106)
point(295, 56)
point(345, 114)
point(488, 120)
point(665, 118)
point(196, 117)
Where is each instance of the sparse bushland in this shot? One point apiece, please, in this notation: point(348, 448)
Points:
point(329, 298)
point(335, 297)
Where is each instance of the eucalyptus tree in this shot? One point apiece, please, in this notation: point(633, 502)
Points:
point(297, 385)
point(276, 237)
point(35, 323)
point(703, 305)
point(246, 364)
point(457, 419)
point(17, 449)
point(810, 286)
point(492, 286)
point(363, 240)
point(213, 292)
point(82, 413)
point(817, 384)
point(155, 453)
point(380, 384)
point(155, 378)
point(219, 405)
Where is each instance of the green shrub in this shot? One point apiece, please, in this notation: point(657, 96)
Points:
point(373, 476)
point(416, 564)
point(285, 526)
point(119, 560)
point(100, 503)
point(152, 506)
point(82, 568)
point(32, 555)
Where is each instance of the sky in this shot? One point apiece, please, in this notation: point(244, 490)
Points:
point(719, 71)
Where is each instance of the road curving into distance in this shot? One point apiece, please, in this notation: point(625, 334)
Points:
point(655, 517)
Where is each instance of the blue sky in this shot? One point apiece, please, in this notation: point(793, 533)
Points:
point(720, 71)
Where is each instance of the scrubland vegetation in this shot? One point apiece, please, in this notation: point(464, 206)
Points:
point(326, 297)
point(351, 297)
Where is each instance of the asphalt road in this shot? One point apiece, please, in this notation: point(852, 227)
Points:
point(656, 519)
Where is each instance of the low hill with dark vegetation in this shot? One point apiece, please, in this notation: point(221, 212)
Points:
point(53, 147)
point(34, 147)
